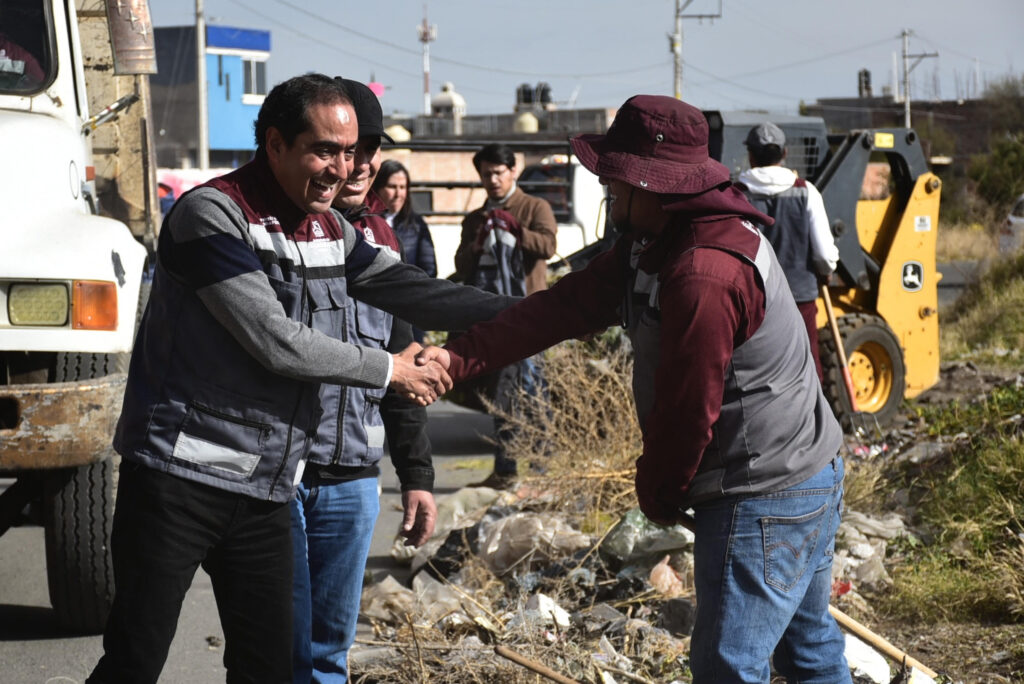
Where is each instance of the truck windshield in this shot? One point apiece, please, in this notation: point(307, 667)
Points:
point(24, 46)
point(550, 182)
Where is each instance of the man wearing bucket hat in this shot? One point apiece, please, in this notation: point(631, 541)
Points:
point(734, 422)
point(800, 236)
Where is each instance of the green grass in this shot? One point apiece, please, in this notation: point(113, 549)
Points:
point(971, 503)
point(987, 323)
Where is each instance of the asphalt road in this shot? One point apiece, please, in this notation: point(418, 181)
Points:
point(34, 651)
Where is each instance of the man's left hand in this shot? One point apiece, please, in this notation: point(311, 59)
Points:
point(420, 516)
point(654, 504)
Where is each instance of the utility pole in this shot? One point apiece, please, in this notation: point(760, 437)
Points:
point(203, 123)
point(428, 33)
point(675, 40)
point(907, 68)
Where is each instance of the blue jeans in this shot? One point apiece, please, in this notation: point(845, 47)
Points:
point(762, 568)
point(332, 526)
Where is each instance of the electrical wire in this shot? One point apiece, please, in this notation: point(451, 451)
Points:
point(453, 62)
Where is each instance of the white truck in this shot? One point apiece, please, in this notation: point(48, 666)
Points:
point(70, 275)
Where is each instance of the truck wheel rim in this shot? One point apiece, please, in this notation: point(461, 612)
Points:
point(871, 372)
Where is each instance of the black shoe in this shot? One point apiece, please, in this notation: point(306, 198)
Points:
point(500, 481)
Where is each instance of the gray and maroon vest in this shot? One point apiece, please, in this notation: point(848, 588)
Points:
point(776, 428)
point(351, 433)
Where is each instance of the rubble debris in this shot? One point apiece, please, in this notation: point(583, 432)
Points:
point(636, 538)
point(865, 662)
point(677, 616)
point(530, 539)
point(665, 580)
point(614, 610)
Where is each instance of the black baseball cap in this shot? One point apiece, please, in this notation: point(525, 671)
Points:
point(367, 106)
point(763, 135)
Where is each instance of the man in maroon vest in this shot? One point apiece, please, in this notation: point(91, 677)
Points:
point(734, 422)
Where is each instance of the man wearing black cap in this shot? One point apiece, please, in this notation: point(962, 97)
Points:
point(337, 502)
point(734, 422)
point(800, 235)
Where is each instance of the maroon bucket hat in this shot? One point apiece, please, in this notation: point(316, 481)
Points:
point(656, 143)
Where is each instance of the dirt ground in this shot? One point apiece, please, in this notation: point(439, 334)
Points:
point(969, 653)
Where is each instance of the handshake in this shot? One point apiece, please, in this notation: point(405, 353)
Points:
point(420, 374)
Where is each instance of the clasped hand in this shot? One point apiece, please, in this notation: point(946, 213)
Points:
point(421, 375)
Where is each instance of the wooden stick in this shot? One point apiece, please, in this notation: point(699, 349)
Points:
point(862, 632)
point(843, 363)
point(533, 665)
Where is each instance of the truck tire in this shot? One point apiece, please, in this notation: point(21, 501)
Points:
point(78, 511)
point(876, 366)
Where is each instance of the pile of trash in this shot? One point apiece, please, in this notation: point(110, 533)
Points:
point(507, 590)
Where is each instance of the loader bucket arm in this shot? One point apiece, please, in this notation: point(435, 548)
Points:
point(840, 183)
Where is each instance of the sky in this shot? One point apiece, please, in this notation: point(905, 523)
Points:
point(760, 54)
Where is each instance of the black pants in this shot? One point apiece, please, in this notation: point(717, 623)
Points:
point(164, 528)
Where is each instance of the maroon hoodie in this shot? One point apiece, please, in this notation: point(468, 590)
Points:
point(711, 299)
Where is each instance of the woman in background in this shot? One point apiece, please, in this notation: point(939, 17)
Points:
point(392, 187)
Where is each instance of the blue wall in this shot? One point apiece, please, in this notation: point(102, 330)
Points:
point(231, 121)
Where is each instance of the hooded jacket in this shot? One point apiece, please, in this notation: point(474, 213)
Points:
point(725, 389)
point(801, 236)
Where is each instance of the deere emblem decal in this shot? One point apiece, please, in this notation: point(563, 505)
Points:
point(913, 276)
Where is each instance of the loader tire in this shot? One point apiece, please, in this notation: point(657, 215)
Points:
point(876, 367)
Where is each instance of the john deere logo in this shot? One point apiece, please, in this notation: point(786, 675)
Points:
point(913, 276)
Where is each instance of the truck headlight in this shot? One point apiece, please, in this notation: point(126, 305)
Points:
point(37, 304)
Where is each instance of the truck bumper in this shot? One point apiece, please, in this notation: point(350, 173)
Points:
point(58, 425)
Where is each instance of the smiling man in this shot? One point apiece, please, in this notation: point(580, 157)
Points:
point(244, 327)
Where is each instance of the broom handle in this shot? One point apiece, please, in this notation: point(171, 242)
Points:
point(843, 363)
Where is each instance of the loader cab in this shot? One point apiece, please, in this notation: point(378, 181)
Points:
point(807, 142)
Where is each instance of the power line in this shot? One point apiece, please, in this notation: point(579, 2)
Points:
point(946, 48)
point(330, 44)
point(811, 60)
point(464, 65)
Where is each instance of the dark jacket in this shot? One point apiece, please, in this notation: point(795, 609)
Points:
point(246, 322)
point(417, 245)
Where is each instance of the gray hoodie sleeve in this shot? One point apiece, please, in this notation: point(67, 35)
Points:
point(210, 251)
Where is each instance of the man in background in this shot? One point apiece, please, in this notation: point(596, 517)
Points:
point(800, 235)
point(504, 249)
